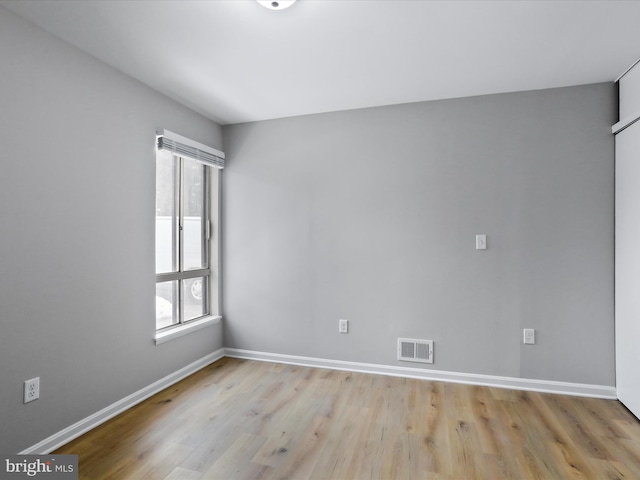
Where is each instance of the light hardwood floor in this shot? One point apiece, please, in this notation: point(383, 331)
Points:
point(240, 419)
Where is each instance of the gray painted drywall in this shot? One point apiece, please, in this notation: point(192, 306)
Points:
point(76, 234)
point(371, 215)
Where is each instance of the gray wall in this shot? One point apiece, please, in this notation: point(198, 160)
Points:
point(371, 215)
point(368, 215)
point(77, 234)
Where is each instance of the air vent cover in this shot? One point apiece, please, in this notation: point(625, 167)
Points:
point(412, 350)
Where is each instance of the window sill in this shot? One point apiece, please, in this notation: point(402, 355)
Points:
point(171, 333)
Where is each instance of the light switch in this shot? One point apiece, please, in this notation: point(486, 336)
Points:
point(481, 242)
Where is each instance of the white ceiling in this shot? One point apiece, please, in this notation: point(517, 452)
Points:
point(235, 61)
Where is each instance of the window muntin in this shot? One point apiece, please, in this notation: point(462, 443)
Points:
point(182, 240)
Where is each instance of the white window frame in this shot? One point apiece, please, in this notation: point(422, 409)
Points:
point(211, 283)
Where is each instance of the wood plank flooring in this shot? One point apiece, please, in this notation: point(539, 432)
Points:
point(240, 419)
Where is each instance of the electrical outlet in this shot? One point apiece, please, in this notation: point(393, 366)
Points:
point(481, 242)
point(343, 326)
point(31, 390)
point(529, 336)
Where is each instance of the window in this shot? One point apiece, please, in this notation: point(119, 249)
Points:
point(186, 215)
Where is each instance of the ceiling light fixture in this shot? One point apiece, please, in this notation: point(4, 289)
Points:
point(276, 4)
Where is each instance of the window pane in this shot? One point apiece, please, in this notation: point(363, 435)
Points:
point(166, 213)
point(166, 302)
point(194, 214)
point(194, 294)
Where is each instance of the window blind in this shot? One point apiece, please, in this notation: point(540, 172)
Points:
point(186, 147)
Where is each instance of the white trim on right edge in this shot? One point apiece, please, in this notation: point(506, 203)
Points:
point(546, 386)
point(627, 70)
point(625, 122)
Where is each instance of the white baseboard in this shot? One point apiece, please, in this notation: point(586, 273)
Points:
point(65, 436)
point(56, 440)
point(545, 386)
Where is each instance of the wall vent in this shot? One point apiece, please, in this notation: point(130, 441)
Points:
point(411, 350)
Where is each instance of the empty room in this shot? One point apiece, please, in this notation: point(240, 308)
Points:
point(319, 239)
